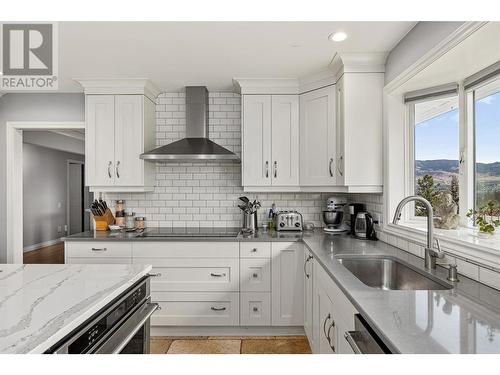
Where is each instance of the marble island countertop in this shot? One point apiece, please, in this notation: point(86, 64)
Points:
point(465, 319)
point(40, 304)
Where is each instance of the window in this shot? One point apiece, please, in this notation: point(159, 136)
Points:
point(487, 144)
point(436, 149)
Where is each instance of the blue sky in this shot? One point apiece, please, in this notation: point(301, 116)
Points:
point(438, 138)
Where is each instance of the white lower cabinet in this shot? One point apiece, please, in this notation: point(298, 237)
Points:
point(196, 309)
point(255, 309)
point(287, 287)
point(308, 296)
point(255, 275)
point(333, 315)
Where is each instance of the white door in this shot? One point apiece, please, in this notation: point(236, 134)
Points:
point(285, 140)
point(256, 150)
point(325, 335)
point(308, 296)
point(340, 133)
point(317, 137)
point(129, 141)
point(287, 291)
point(99, 140)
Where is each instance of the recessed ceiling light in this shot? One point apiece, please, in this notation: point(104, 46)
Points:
point(338, 36)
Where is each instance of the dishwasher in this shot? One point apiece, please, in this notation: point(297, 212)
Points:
point(122, 327)
point(363, 340)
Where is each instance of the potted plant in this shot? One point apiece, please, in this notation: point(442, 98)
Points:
point(487, 218)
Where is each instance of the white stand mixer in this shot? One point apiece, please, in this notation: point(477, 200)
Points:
point(334, 214)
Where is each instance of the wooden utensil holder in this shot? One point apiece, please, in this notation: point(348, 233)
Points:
point(102, 223)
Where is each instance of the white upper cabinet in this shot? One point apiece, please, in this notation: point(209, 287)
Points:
point(318, 138)
point(120, 126)
point(270, 142)
point(359, 155)
point(256, 160)
point(285, 140)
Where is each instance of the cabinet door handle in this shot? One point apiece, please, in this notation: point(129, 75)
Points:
point(341, 172)
point(275, 169)
point(255, 309)
point(255, 275)
point(117, 170)
point(267, 169)
point(254, 250)
point(99, 249)
point(327, 318)
point(330, 167)
point(218, 308)
point(332, 325)
point(109, 168)
point(309, 257)
point(217, 274)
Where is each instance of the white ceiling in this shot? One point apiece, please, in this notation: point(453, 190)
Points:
point(177, 54)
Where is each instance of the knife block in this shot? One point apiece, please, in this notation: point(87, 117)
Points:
point(103, 222)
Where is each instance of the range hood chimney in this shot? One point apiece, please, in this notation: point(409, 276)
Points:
point(196, 146)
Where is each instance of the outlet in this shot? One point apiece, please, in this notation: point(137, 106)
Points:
point(65, 227)
point(59, 229)
point(376, 218)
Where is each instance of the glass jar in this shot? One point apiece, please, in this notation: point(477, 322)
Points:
point(119, 208)
point(129, 220)
point(140, 222)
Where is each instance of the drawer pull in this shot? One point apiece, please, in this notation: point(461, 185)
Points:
point(218, 274)
point(255, 275)
point(154, 274)
point(255, 309)
point(218, 308)
point(99, 249)
point(254, 250)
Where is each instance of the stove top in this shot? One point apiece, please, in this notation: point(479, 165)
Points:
point(190, 232)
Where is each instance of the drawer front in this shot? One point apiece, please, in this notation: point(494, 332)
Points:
point(186, 249)
point(98, 249)
point(255, 275)
point(191, 274)
point(255, 249)
point(255, 309)
point(196, 309)
point(98, 260)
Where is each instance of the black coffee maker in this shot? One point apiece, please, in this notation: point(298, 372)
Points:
point(353, 209)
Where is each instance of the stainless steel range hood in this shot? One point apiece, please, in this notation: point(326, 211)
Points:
point(196, 146)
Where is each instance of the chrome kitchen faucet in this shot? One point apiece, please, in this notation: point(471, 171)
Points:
point(430, 253)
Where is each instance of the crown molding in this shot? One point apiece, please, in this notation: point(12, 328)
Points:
point(129, 86)
point(255, 86)
point(358, 62)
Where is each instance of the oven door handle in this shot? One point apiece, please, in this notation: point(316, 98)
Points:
point(140, 318)
point(145, 315)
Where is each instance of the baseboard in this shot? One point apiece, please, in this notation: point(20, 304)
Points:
point(226, 331)
point(40, 245)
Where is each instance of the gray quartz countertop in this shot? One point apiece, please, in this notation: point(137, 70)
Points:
point(465, 319)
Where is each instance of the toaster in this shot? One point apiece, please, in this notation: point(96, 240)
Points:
point(288, 220)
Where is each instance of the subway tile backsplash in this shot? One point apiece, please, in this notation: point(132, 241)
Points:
point(206, 193)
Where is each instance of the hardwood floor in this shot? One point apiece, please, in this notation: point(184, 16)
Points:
point(46, 255)
point(230, 345)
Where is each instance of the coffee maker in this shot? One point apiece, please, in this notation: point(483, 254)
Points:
point(354, 209)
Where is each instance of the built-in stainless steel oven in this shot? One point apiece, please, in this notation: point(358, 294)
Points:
point(121, 327)
point(363, 340)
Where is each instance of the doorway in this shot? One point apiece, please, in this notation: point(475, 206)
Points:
point(15, 187)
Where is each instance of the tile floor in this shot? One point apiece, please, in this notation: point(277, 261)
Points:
point(230, 345)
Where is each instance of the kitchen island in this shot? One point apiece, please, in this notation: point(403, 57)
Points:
point(41, 304)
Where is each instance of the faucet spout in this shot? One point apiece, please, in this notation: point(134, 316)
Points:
point(430, 253)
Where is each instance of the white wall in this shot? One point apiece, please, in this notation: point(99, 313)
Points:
point(32, 107)
point(422, 38)
point(55, 141)
point(44, 188)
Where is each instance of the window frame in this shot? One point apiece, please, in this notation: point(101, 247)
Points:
point(467, 150)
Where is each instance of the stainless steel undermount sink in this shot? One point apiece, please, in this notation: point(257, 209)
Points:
point(388, 273)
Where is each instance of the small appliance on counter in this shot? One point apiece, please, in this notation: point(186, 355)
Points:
point(288, 221)
point(353, 209)
point(334, 214)
point(363, 227)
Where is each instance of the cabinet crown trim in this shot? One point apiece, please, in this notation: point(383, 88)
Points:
point(131, 86)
